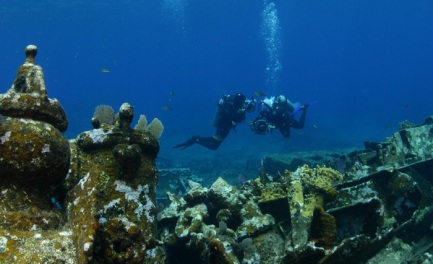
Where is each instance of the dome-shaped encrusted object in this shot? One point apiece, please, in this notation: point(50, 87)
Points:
point(33, 148)
point(28, 96)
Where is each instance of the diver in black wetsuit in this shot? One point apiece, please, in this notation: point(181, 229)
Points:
point(231, 111)
point(279, 113)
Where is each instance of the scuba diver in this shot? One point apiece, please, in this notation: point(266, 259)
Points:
point(279, 113)
point(231, 111)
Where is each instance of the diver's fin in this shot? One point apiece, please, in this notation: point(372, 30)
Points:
point(186, 144)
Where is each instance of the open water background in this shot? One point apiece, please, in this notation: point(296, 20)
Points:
point(368, 63)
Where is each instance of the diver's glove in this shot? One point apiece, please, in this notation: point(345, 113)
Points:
point(187, 143)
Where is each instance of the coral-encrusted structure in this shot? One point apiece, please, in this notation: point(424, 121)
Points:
point(33, 149)
point(28, 97)
point(313, 214)
point(90, 200)
point(111, 205)
point(34, 159)
point(276, 208)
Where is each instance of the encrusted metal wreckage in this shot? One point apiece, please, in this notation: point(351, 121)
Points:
point(362, 207)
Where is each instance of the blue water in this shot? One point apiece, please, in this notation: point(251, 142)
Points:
point(368, 63)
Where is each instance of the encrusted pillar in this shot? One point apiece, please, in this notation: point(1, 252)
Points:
point(34, 160)
point(112, 208)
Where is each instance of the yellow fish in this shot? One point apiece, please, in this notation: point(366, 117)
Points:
point(166, 107)
point(105, 70)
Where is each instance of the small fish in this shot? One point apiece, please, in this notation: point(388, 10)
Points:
point(315, 126)
point(387, 127)
point(105, 70)
point(172, 94)
point(166, 108)
point(260, 93)
point(56, 203)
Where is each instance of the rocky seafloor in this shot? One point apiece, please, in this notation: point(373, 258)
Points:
point(102, 198)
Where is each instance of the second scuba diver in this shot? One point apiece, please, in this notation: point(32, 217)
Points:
point(279, 113)
point(231, 111)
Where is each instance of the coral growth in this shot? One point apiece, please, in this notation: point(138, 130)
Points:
point(155, 128)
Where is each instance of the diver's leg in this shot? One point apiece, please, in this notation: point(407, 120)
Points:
point(209, 142)
point(187, 143)
point(215, 141)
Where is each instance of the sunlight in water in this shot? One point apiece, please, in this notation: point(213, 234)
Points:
point(272, 38)
point(175, 10)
